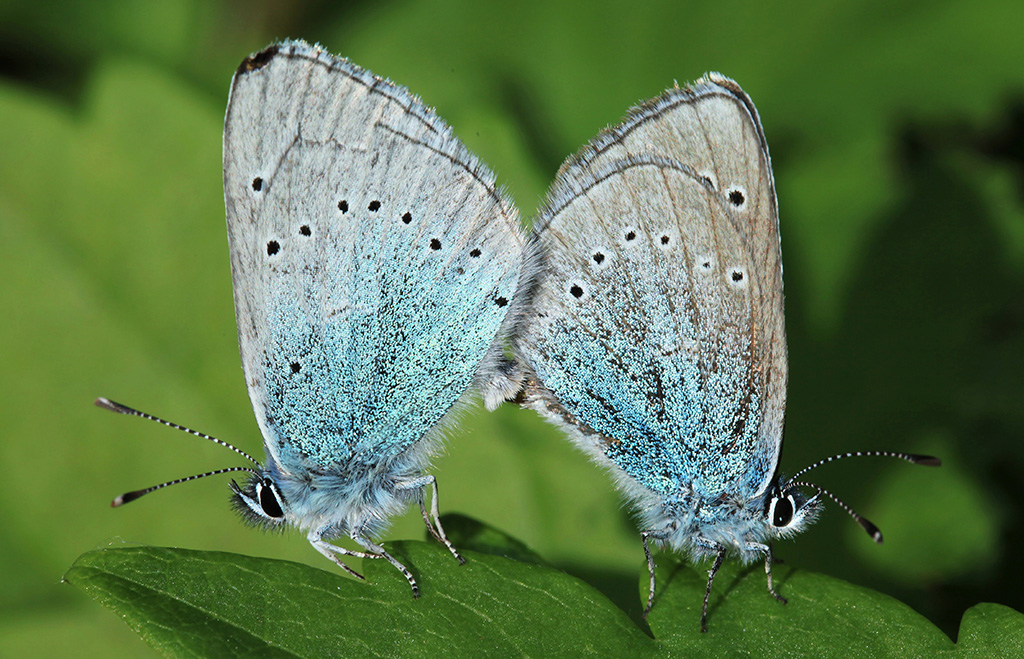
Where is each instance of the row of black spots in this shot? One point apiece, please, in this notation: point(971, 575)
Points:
point(273, 246)
point(601, 258)
point(459, 270)
point(736, 275)
point(373, 207)
point(664, 239)
point(736, 195)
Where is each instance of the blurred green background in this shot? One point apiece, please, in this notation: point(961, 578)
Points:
point(897, 134)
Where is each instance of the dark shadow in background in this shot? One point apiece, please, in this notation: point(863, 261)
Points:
point(931, 338)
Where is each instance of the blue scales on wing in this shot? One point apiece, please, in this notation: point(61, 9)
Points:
point(373, 261)
point(657, 334)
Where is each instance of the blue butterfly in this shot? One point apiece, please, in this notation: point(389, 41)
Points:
point(374, 264)
point(655, 333)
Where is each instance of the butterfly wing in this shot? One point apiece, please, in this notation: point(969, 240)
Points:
point(657, 333)
point(372, 257)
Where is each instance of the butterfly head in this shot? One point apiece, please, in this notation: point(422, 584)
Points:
point(789, 511)
point(260, 501)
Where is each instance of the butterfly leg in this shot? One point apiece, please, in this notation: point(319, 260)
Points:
point(434, 527)
point(768, 559)
point(376, 551)
point(331, 552)
point(647, 536)
point(711, 578)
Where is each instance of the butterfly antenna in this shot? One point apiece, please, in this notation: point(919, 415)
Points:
point(128, 497)
point(108, 404)
point(913, 458)
point(865, 523)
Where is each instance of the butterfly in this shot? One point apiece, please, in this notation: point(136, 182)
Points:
point(655, 331)
point(373, 262)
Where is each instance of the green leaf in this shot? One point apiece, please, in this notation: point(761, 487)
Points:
point(823, 617)
point(186, 603)
point(211, 603)
point(991, 630)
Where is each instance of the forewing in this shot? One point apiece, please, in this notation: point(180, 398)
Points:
point(372, 257)
point(672, 358)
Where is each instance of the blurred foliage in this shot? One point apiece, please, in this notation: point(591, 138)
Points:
point(897, 135)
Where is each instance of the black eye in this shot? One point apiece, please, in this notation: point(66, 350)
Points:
point(782, 512)
point(268, 500)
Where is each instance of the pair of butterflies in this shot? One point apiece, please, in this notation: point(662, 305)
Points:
point(381, 279)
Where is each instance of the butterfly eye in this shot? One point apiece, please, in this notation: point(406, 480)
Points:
point(781, 511)
point(267, 497)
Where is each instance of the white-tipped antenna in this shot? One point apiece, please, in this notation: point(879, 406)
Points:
point(127, 497)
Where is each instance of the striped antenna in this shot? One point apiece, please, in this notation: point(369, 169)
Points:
point(128, 497)
point(866, 524)
point(108, 404)
point(913, 458)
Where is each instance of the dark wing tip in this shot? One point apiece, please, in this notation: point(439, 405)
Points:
point(259, 60)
